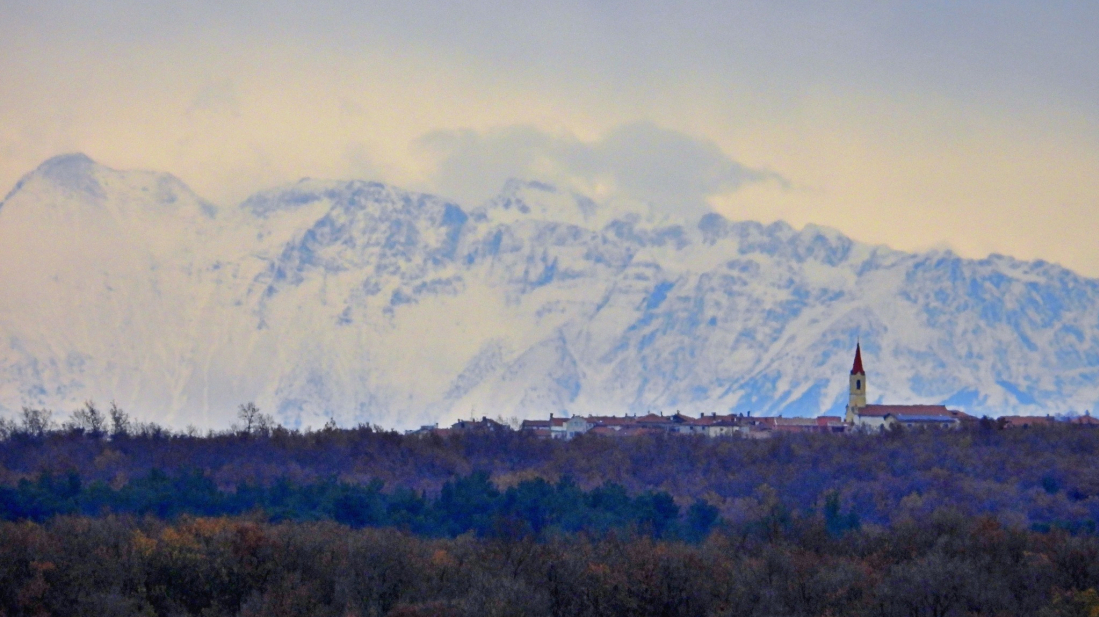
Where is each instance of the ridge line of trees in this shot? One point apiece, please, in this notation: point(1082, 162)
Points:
point(466, 504)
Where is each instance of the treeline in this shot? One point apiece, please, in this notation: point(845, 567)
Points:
point(471, 503)
point(1036, 478)
point(107, 516)
point(948, 565)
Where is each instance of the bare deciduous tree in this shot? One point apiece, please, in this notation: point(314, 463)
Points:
point(37, 422)
point(120, 421)
point(7, 428)
point(254, 422)
point(89, 420)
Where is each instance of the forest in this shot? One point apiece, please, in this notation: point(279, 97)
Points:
point(105, 515)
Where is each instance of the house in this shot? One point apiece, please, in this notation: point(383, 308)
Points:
point(425, 429)
point(654, 421)
point(1085, 420)
point(758, 428)
point(713, 425)
point(611, 424)
point(538, 428)
point(831, 424)
point(482, 425)
point(685, 425)
point(726, 427)
point(637, 431)
point(557, 428)
point(794, 425)
point(822, 424)
point(866, 417)
point(574, 426)
point(1026, 421)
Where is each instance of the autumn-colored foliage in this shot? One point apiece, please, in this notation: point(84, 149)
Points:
point(1040, 477)
point(366, 522)
point(946, 565)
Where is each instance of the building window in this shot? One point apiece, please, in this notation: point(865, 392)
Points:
point(858, 384)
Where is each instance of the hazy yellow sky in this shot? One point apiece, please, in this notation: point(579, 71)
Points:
point(968, 125)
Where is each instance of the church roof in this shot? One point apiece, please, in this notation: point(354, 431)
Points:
point(907, 410)
point(927, 419)
point(857, 368)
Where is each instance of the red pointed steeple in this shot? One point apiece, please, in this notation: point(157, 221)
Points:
point(857, 368)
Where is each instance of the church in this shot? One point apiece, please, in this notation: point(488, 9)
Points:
point(861, 416)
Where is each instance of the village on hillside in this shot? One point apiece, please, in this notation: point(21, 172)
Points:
point(860, 417)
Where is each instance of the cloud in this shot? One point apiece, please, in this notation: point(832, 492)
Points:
point(904, 123)
point(672, 171)
point(218, 97)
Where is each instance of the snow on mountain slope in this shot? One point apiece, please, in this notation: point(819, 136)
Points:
point(366, 303)
point(105, 277)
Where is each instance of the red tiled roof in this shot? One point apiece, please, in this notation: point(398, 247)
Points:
point(1014, 421)
point(780, 421)
point(703, 421)
point(908, 410)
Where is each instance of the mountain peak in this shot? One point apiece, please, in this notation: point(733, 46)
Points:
point(310, 191)
point(531, 199)
point(371, 303)
point(67, 166)
point(75, 182)
point(74, 172)
point(67, 160)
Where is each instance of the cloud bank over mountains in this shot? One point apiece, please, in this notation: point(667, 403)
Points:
point(364, 302)
point(638, 162)
point(971, 125)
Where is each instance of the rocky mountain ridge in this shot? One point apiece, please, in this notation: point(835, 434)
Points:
point(367, 303)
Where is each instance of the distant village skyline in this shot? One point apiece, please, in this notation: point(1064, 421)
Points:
point(860, 417)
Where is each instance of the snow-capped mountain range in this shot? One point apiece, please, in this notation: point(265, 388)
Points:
point(366, 303)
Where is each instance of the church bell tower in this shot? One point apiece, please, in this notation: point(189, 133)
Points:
point(857, 398)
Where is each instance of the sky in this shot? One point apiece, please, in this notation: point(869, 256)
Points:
point(972, 126)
